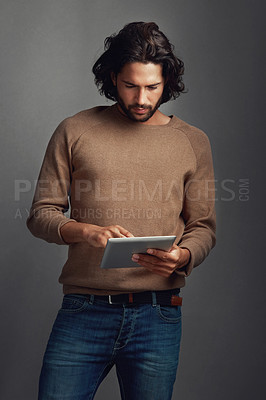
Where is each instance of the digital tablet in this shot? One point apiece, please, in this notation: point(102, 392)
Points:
point(118, 251)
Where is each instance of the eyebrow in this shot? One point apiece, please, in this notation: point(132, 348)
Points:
point(133, 84)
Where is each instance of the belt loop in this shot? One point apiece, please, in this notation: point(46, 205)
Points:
point(130, 297)
point(154, 300)
point(91, 298)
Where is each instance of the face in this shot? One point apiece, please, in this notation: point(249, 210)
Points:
point(139, 90)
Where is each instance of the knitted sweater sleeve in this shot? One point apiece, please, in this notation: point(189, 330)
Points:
point(198, 207)
point(50, 201)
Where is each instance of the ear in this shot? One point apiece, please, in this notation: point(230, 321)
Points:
point(113, 77)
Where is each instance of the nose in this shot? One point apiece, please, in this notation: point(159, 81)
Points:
point(141, 96)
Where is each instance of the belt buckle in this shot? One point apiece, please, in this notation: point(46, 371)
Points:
point(110, 299)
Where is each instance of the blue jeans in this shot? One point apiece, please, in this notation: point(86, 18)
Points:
point(90, 336)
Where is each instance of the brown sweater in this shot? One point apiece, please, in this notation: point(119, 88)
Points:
point(152, 180)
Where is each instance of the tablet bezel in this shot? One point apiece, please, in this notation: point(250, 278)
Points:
point(118, 251)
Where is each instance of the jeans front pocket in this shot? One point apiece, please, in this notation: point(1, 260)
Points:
point(169, 313)
point(73, 304)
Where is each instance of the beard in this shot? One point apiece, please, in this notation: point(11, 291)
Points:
point(128, 109)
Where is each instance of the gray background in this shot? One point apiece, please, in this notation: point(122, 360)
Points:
point(47, 50)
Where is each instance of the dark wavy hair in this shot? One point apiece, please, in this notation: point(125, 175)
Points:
point(139, 42)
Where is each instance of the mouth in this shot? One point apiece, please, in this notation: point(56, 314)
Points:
point(139, 110)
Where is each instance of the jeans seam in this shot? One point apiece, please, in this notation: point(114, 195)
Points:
point(99, 380)
point(119, 334)
point(121, 385)
point(134, 317)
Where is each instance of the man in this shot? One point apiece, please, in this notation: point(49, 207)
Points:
point(128, 170)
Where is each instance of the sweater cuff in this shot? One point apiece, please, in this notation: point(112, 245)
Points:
point(194, 250)
point(62, 223)
point(47, 229)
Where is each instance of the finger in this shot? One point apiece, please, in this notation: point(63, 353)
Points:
point(142, 258)
point(163, 255)
point(154, 265)
point(106, 234)
point(124, 231)
point(114, 232)
point(181, 273)
point(152, 262)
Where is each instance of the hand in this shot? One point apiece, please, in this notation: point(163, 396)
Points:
point(162, 262)
point(94, 235)
point(97, 236)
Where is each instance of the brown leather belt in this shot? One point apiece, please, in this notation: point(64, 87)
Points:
point(161, 297)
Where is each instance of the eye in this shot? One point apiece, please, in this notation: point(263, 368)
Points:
point(129, 86)
point(152, 87)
